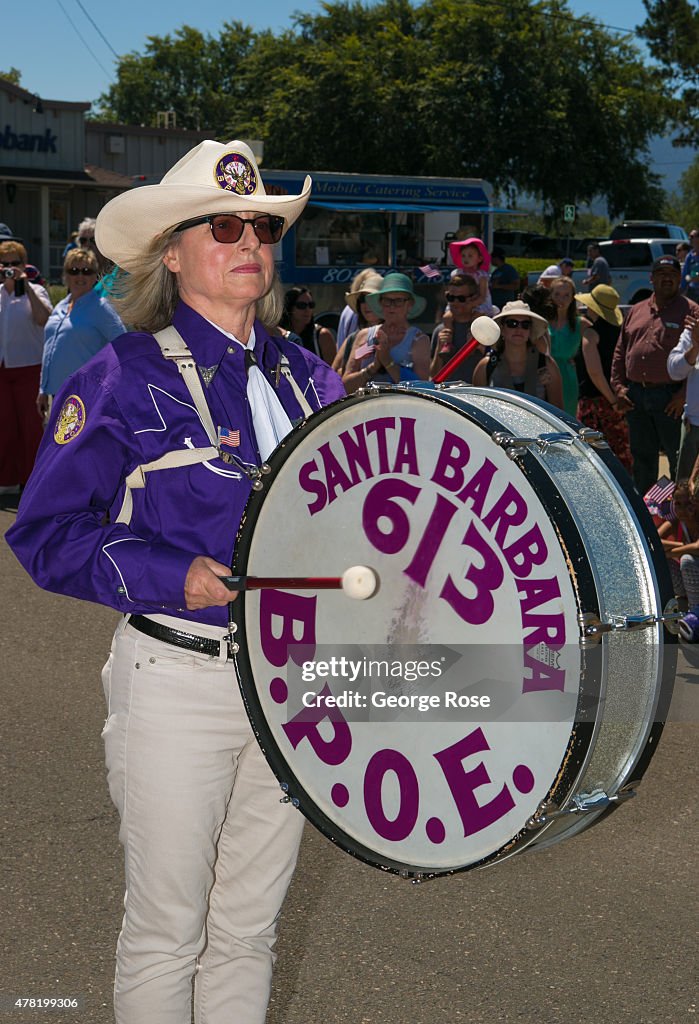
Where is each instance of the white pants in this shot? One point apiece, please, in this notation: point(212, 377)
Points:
point(209, 847)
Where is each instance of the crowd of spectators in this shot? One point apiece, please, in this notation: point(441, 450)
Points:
point(633, 377)
point(42, 345)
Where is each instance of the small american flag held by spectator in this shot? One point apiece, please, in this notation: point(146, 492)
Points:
point(658, 498)
point(228, 438)
point(430, 271)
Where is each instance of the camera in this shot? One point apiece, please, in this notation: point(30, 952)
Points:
point(19, 282)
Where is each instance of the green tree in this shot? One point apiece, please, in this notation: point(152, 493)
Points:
point(191, 73)
point(343, 96)
point(558, 109)
point(523, 95)
point(672, 32)
point(14, 75)
point(683, 206)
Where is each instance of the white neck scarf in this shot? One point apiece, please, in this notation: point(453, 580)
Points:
point(269, 419)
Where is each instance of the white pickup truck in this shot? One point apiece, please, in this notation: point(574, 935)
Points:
point(630, 261)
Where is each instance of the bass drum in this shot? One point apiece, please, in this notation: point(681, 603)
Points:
point(507, 683)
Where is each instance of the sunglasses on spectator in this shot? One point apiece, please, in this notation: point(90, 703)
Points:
point(514, 324)
point(228, 228)
point(460, 298)
point(11, 263)
point(392, 302)
point(85, 271)
point(305, 305)
point(85, 239)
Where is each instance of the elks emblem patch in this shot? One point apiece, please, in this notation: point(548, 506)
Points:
point(235, 173)
point(71, 420)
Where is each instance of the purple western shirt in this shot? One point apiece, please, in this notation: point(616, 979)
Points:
point(137, 409)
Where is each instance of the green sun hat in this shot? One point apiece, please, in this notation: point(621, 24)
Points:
point(397, 283)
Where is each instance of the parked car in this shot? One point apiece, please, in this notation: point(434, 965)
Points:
point(513, 242)
point(541, 246)
point(555, 248)
point(648, 229)
point(630, 261)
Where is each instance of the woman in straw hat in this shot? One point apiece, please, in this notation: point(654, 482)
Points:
point(396, 350)
point(149, 457)
point(358, 302)
point(519, 360)
point(349, 320)
point(598, 406)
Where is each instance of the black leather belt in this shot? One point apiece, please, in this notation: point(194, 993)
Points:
point(651, 384)
point(176, 637)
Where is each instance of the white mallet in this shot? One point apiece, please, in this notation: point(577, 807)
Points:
point(485, 332)
point(358, 582)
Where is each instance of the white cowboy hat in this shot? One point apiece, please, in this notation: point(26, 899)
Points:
point(212, 178)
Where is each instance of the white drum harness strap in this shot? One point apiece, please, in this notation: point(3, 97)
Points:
point(173, 347)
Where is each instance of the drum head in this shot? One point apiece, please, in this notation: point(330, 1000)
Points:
point(373, 713)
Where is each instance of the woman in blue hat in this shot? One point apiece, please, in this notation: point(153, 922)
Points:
point(397, 350)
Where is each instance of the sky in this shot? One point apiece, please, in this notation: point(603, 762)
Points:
point(72, 56)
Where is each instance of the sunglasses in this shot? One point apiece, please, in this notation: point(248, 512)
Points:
point(86, 239)
point(460, 298)
point(305, 305)
point(392, 302)
point(85, 271)
point(514, 324)
point(11, 263)
point(228, 228)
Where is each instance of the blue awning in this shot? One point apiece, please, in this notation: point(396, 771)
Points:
point(382, 206)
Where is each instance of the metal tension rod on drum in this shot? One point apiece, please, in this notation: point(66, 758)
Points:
point(583, 803)
point(593, 629)
point(515, 446)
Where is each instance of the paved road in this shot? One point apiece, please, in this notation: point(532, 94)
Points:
point(602, 928)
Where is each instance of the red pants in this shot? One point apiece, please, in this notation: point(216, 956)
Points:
point(21, 428)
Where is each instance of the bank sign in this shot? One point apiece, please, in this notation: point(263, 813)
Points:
point(26, 143)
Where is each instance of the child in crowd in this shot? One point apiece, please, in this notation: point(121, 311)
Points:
point(472, 257)
point(680, 539)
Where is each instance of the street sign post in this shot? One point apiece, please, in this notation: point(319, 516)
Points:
point(569, 217)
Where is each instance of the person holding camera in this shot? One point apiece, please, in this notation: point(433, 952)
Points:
point(24, 309)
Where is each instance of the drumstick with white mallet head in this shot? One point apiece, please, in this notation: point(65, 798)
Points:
point(485, 332)
point(358, 582)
